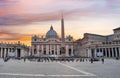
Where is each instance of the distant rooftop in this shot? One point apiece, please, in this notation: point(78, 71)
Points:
point(116, 29)
point(93, 34)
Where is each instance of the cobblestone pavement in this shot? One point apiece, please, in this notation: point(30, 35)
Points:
point(21, 69)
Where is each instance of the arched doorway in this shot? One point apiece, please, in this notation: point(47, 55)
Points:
point(18, 53)
point(70, 53)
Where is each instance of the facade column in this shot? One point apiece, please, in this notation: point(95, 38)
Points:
point(1, 52)
point(54, 50)
point(4, 52)
point(37, 51)
point(105, 52)
point(95, 52)
point(116, 52)
point(47, 49)
point(42, 49)
point(32, 51)
point(112, 52)
point(8, 51)
point(50, 46)
point(67, 53)
point(16, 51)
point(72, 50)
point(119, 51)
point(90, 52)
point(109, 52)
point(58, 50)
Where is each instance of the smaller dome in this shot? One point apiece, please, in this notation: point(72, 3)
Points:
point(51, 33)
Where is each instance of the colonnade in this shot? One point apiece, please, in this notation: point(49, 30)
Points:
point(5, 50)
point(106, 51)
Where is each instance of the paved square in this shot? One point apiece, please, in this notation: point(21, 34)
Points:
point(21, 69)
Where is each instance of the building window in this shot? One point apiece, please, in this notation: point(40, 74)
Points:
point(35, 51)
point(35, 39)
point(69, 51)
point(44, 52)
point(52, 51)
point(60, 52)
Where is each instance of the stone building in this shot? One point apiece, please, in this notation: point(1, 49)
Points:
point(52, 45)
point(93, 45)
point(16, 50)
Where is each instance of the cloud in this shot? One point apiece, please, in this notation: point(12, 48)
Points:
point(27, 12)
point(9, 35)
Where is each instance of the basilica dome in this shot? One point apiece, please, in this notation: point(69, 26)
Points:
point(51, 33)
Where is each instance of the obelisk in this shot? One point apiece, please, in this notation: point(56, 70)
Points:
point(62, 38)
point(62, 30)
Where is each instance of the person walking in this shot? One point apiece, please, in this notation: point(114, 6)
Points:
point(102, 60)
point(91, 60)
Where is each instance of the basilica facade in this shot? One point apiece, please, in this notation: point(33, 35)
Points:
point(52, 45)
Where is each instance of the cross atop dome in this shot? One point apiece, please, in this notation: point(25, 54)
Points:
point(51, 28)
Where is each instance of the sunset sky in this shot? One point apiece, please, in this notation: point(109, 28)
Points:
point(20, 19)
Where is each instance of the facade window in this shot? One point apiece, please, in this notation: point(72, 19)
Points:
point(60, 52)
point(35, 51)
point(69, 51)
point(35, 39)
point(44, 52)
point(52, 51)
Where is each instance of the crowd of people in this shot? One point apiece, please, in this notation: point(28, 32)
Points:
point(65, 59)
point(52, 59)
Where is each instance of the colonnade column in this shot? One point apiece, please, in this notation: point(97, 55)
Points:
point(105, 52)
point(119, 51)
point(112, 52)
point(95, 53)
point(116, 52)
point(8, 50)
point(4, 52)
point(108, 52)
point(89, 52)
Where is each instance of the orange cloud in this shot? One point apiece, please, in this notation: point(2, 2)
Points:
point(25, 39)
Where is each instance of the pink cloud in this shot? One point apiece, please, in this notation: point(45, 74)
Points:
point(27, 12)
